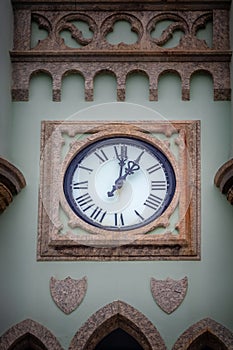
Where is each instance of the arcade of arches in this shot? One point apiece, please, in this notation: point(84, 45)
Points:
point(118, 326)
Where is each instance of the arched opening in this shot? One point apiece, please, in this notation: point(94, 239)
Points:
point(117, 318)
point(205, 335)
point(207, 341)
point(169, 85)
point(201, 84)
point(137, 85)
point(28, 342)
point(29, 335)
point(73, 86)
point(118, 339)
point(105, 86)
point(40, 86)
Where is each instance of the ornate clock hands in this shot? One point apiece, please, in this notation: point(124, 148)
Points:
point(132, 166)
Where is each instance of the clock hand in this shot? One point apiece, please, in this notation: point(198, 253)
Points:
point(122, 157)
point(132, 166)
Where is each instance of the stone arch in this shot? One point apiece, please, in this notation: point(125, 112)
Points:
point(206, 330)
point(111, 317)
point(29, 333)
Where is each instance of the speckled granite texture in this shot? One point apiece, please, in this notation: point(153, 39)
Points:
point(117, 315)
point(224, 180)
point(147, 55)
point(223, 337)
point(40, 337)
point(30, 334)
point(169, 293)
point(68, 293)
point(12, 182)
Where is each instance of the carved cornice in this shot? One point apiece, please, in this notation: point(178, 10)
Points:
point(11, 183)
point(147, 54)
point(224, 180)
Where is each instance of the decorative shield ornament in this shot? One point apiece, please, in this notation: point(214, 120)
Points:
point(169, 293)
point(68, 293)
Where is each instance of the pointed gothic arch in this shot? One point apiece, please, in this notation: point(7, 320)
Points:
point(206, 333)
point(114, 316)
point(29, 334)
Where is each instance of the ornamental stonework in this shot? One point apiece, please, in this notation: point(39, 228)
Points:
point(68, 293)
point(12, 182)
point(148, 54)
point(169, 293)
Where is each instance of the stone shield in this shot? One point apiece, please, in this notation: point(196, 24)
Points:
point(68, 293)
point(169, 293)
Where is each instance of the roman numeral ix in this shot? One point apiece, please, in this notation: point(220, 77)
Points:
point(83, 185)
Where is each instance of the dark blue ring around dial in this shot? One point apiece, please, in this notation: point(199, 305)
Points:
point(168, 170)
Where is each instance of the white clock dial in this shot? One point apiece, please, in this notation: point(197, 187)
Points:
point(119, 183)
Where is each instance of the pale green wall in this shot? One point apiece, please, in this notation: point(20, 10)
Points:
point(25, 282)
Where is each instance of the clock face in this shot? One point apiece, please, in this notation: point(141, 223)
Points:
point(119, 183)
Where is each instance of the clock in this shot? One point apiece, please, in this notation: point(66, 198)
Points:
point(119, 190)
point(119, 183)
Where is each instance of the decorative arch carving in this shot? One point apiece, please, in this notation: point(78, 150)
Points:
point(113, 316)
point(11, 183)
point(207, 330)
point(29, 332)
point(224, 180)
point(146, 53)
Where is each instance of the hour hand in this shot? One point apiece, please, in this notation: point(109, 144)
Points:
point(132, 166)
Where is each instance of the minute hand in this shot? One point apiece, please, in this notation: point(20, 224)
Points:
point(132, 166)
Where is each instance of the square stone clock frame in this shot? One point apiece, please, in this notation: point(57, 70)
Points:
point(177, 237)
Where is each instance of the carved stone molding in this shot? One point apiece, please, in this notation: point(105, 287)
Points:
point(206, 332)
point(113, 316)
point(224, 180)
point(11, 183)
point(147, 55)
point(29, 334)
